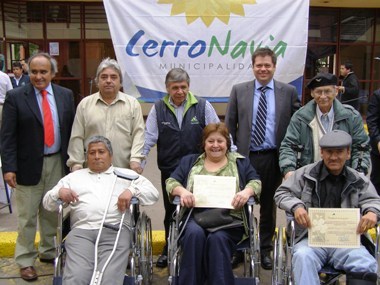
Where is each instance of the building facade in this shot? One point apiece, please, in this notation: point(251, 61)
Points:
point(77, 34)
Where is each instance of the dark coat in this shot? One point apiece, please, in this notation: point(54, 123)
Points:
point(22, 132)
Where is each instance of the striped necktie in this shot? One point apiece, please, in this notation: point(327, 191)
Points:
point(48, 120)
point(261, 118)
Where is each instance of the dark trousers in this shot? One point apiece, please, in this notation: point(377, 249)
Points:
point(207, 256)
point(375, 172)
point(266, 165)
point(169, 207)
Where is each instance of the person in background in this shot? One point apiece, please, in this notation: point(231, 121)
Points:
point(5, 86)
point(89, 192)
point(329, 183)
point(110, 113)
point(319, 116)
point(373, 123)
point(34, 138)
point(25, 68)
point(175, 124)
point(19, 78)
point(206, 252)
point(258, 113)
point(349, 90)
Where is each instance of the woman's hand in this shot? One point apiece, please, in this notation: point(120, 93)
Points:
point(241, 198)
point(187, 198)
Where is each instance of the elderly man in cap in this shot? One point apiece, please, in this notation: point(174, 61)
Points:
point(329, 183)
point(319, 116)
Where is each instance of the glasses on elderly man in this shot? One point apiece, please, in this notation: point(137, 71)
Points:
point(327, 92)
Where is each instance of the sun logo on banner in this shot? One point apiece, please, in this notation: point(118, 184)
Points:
point(207, 10)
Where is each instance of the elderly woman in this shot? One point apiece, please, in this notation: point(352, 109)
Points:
point(206, 253)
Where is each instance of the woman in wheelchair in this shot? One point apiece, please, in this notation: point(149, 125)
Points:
point(330, 184)
point(99, 196)
point(210, 235)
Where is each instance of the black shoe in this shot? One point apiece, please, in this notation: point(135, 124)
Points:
point(47, 260)
point(237, 258)
point(162, 261)
point(266, 261)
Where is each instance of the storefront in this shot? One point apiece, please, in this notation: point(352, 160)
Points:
point(77, 34)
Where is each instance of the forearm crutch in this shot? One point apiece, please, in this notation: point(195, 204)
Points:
point(98, 275)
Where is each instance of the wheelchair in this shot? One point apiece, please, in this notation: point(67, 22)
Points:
point(250, 247)
point(282, 273)
point(140, 267)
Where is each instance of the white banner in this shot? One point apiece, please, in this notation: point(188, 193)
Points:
point(212, 40)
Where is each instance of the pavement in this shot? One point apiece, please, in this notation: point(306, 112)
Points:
point(9, 271)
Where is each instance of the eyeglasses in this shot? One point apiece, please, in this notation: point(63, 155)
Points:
point(327, 92)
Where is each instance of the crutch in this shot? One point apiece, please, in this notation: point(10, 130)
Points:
point(298, 148)
point(361, 148)
point(98, 275)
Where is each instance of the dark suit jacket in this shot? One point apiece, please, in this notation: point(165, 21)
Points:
point(373, 121)
point(23, 81)
point(351, 91)
point(22, 132)
point(239, 112)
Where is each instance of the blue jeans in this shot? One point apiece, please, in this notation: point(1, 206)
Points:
point(307, 261)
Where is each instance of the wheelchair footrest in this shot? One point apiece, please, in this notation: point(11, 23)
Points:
point(244, 281)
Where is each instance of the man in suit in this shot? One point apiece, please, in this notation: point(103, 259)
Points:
point(35, 135)
point(258, 136)
point(19, 78)
point(349, 90)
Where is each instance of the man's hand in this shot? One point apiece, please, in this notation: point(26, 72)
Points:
point(378, 146)
point(302, 217)
point(10, 178)
point(241, 198)
point(75, 167)
point(367, 222)
point(287, 175)
point(124, 200)
point(67, 195)
point(136, 166)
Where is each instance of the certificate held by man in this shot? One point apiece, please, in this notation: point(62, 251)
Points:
point(214, 191)
point(334, 227)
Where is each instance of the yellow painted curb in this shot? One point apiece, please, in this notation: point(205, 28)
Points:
point(8, 242)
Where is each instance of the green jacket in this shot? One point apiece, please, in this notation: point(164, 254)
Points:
point(300, 132)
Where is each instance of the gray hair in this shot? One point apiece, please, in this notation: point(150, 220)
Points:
point(108, 63)
point(177, 75)
point(100, 139)
point(53, 62)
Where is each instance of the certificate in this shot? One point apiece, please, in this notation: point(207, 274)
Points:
point(214, 191)
point(334, 227)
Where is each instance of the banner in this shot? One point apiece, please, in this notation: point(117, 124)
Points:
point(212, 40)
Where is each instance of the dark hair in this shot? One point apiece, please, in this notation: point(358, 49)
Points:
point(219, 128)
point(348, 65)
point(17, 64)
point(264, 52)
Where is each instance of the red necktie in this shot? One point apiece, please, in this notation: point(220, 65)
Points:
point(48, 120)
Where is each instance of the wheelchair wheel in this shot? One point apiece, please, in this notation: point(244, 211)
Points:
point(254, 250)
point(278, 258)
point(145, 245)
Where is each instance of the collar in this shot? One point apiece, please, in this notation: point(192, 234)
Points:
point(110, 170)
point(330, 113)
point(182, 104)
point(269, 85)
point(49, 89)
point(118, 97)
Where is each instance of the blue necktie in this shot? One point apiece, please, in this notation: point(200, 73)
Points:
point(261, 118)
point(325, 122)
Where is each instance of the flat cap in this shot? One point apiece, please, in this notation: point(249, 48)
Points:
point(322, 79)
point(335, 139)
